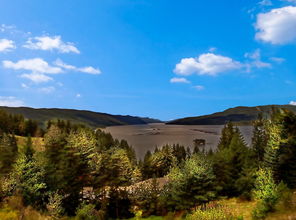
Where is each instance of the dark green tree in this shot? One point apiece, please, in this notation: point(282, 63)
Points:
point(192, 184)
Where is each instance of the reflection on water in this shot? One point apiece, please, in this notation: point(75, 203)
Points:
point(147, 137)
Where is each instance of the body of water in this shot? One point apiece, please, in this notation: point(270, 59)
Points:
point(147, 137)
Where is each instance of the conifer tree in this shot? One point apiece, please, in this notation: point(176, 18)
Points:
point(259, 139)
point(190, 185)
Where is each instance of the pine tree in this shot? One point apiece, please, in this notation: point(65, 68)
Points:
point(8, 153)
point(190, 185)
point(230, 162)
point(28, 149)
point(226, 136)
point(259, 139)
point(30, 181)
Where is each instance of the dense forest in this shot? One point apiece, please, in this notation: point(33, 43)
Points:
point(69, 171)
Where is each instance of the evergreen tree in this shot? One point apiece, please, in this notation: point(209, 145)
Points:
point(230, 162)
point(8, 152)
point(28, 148)
point(190, 185)
point(259, 139)
point(64, 168)
point(29, 176)
point(146, 166)
point(226, 136)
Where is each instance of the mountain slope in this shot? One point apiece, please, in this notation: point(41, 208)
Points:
point(238, 114)
point(93, 119)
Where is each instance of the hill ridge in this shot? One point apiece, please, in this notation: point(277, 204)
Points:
point(239, 114)
point(87, 117)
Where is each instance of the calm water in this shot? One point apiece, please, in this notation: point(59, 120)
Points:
point(147, 137)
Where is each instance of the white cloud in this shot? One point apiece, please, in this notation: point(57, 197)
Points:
point(206, 64)
point(6, 45)
point(292, 103)
point(51, 43)
point(60, 63)
point(199, 87)
point(256, 60)
point(36, 77)
point(24, 86)
point(47, 90)
point(277, 59)
point(36, 65)
point(179, 80)
point(78, 95)
point(5, 27)
point(88, 69)
point(277, 26)
point(265, 3)
point(212, 49)
point(290, 1)
point(10, 101)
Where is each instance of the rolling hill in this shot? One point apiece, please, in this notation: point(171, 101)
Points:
point(93, 119)
point(241, 115)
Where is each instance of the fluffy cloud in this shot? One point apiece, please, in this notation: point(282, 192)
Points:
point(36, 65)
point(6, 45)
point(36, 77)
point(206, 64)
point(277, 59)
point(290, 1)
point(277, 26)
point(87, 69)
point(51, 43)
point(292, 103)
point(10, 101)
point(256, 60)
point(199, 87)
point(179, 80)
point(47, 90)
point(265, 3)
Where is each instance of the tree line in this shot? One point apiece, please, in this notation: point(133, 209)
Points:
point(76, 158)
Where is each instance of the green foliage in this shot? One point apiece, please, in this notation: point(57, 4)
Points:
point(17, 124)
point(87, 212)
point(190, 185)
point(65, 169)
point(29, 178)
point(162, 160)
point(145, 197)
point(54, 205)
point(259, 139)
point(281, 147)
point(8, 153)
point(267, 192)
point(232, 164)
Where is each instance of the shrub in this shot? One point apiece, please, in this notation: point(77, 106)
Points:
point(267, 192)
point(87, 212)
point(54, 206)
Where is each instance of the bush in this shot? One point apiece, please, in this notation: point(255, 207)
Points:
point(267, 192)
point(87, 212)
point(54, 206)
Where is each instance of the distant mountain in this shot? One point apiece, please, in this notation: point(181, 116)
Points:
point(93, 119)
point(241, 115)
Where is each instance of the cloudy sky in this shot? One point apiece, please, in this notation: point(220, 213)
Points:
point(163, 59)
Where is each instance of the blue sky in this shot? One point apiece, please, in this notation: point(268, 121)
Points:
point(159, 58)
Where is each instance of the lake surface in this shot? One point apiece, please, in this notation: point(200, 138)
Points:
point(147, 137)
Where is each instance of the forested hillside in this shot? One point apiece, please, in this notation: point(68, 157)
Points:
point(89, 118)
point(242, 115)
